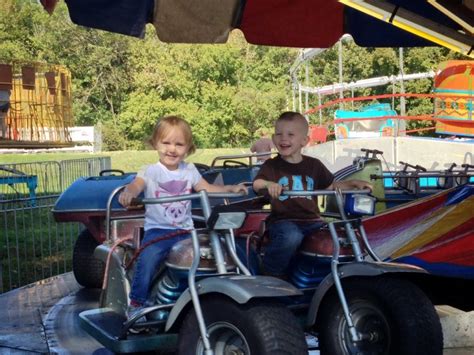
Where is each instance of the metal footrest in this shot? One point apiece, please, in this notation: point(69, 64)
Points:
point(106, 326)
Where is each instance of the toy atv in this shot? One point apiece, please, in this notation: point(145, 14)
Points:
point(352, 301)
point(202, 301)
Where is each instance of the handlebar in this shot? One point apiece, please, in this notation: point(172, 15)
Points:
point(111, 171)
point(374, 152)
point(325, 192)
point(248, 156)
point(416, 167)
point(193, 196)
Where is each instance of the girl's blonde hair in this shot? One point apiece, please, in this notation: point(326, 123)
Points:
point(165, 124)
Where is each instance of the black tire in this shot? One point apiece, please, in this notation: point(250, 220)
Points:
point(258, 327)
point(88, 271)
point(395, 313)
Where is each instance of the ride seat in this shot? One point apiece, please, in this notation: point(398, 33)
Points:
point(320, 244)
point(254, 229)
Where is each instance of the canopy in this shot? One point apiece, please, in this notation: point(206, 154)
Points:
point(290, 23)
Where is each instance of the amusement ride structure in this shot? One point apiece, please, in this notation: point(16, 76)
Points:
point(35, 105)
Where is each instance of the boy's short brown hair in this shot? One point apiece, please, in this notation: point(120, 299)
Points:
point(291, 116)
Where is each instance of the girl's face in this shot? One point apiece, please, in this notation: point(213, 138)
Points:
point(172, 148)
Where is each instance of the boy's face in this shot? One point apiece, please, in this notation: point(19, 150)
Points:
point(289, 138)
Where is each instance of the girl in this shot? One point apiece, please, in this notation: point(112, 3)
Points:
point(171, 176)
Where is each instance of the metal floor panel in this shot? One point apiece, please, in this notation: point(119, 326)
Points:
point(42, 318)
point(106, 326)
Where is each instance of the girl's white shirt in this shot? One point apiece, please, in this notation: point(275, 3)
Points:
point(161, 182)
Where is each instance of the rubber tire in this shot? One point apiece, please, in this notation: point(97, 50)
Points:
point(88, 270)
point(268, 328)
point(413, 325)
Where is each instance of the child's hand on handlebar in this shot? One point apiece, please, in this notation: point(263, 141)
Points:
point(125, 198)
point(274, 189)
point(363, 185)
point(353, 184)
point(240, 188)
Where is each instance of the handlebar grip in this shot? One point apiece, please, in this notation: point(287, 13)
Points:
point(374, 152)
point(416, 167)
point(263, 192)
point(136, 201)
point(109, 171)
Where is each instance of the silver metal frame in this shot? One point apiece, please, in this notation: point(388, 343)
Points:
point(215, 242)
point(358, 254)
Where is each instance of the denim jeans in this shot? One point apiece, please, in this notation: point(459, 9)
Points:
point(149, 261)
point(285, 238)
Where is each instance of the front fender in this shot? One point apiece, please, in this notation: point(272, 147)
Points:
point(115, 295)
point(363, 269)
point(240, 288)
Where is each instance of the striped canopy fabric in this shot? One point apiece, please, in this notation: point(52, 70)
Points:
point(295, 23)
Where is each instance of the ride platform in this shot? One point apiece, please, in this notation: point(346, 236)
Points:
point(42, 318)
point(107, 326)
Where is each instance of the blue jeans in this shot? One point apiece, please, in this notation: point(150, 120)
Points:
point(285, 238)
point(150, 259)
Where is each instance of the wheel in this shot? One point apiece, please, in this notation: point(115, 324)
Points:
point(88, 271)
point(395, 316)
point(258, 327)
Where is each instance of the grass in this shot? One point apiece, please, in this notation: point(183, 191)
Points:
point(128, 161)
point(32, 246)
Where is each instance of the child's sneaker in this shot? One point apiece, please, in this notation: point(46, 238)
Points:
point(133, 310)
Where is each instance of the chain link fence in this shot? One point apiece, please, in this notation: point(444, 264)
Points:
point(32, 245)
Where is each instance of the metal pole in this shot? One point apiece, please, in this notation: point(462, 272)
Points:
point(320, 110)
point(341, 92)
point(300, 103)
point(293, 90)
point(402, 90)
point(306, 98)
point(352, 96)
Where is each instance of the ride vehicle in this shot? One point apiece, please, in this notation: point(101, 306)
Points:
point(86, 199)
point(202, 300)
point(424, 218)
point(352, 301)
point(337, 287)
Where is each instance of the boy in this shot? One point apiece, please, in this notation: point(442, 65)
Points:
point(294, 217)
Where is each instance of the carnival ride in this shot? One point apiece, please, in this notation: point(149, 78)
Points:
point(307, 290)
point(261, 22)
point(35, 106)
point(450, 111)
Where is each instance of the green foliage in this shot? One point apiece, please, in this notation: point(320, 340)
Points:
point(225, 92)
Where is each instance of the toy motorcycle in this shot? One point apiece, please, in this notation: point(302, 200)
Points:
point(203, 300)
point(352, 301)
